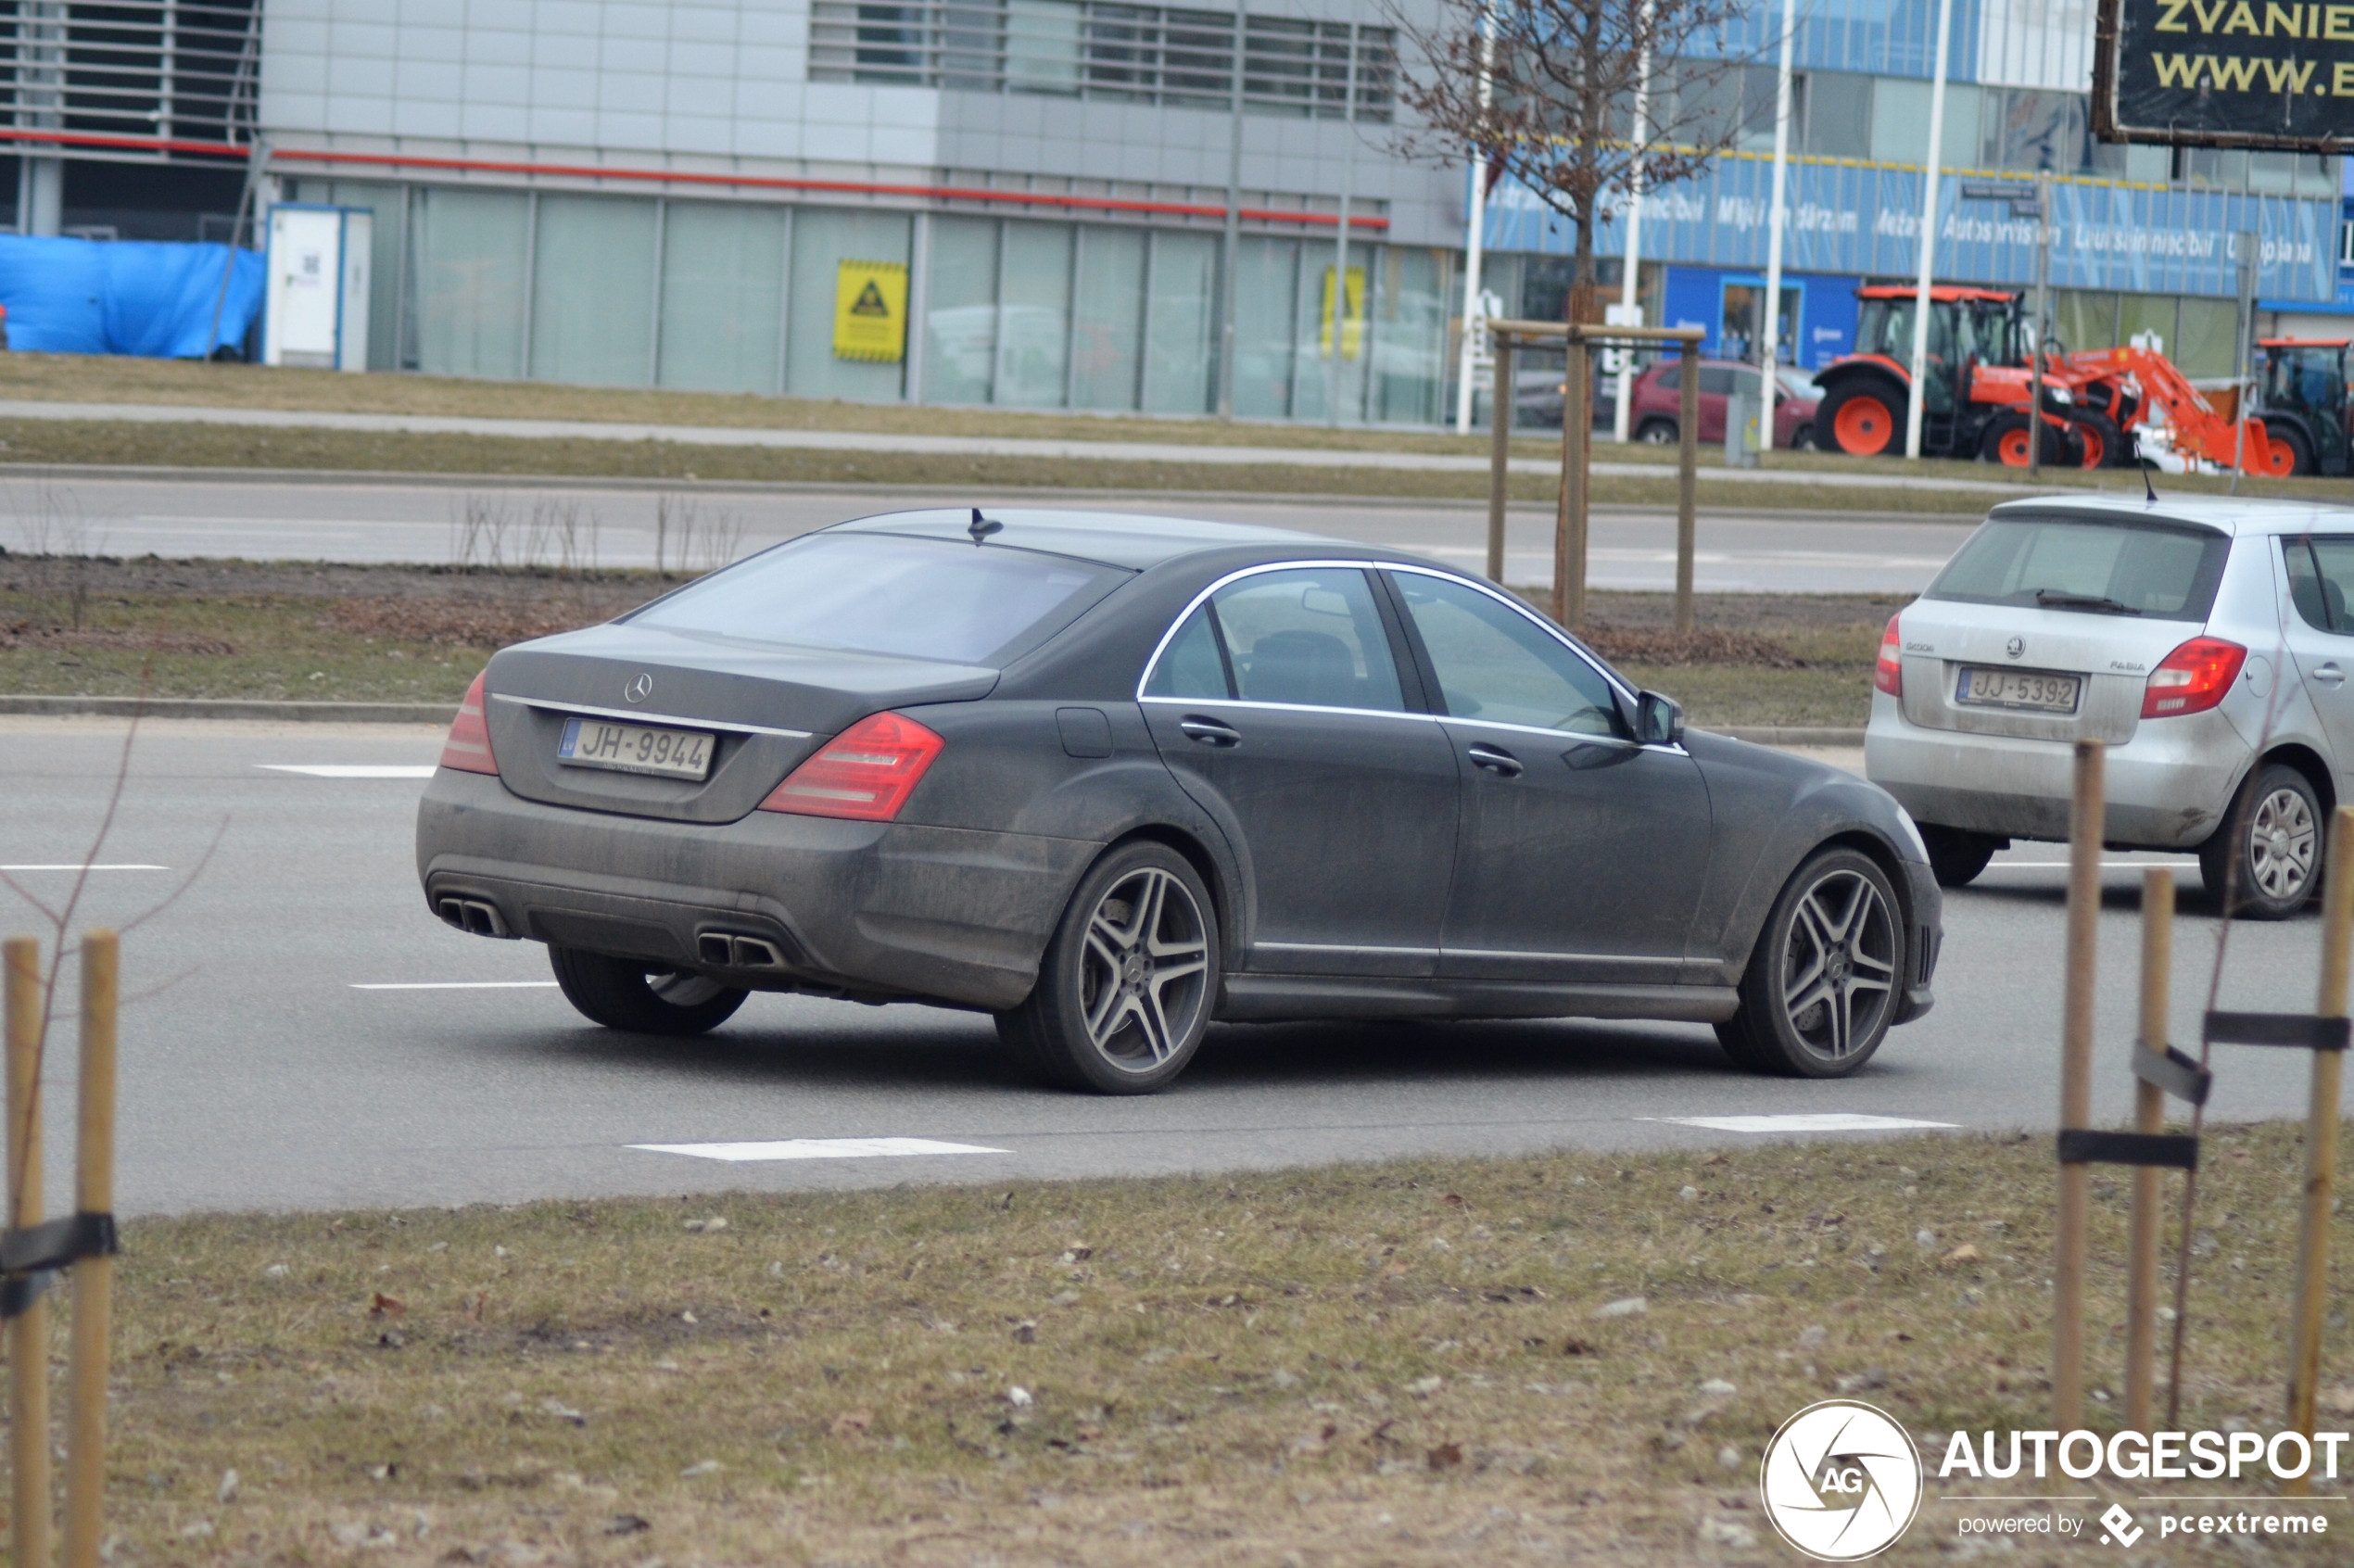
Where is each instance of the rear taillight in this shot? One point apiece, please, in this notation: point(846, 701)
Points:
point(2192, 678)
point(866, 773)
point(468, 748)
point(1888, 673)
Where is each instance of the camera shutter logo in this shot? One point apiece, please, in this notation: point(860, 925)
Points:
point(2120, 1526)
point(641, 685)
point(1841, 1481)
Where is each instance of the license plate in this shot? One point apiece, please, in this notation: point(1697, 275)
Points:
point(2036, 689)
point(634, 748)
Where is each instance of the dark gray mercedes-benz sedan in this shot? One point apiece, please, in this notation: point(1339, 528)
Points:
point(1113, 778)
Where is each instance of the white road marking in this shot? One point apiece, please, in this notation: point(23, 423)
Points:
point(819, 1149)
point(77, 866)
point(1802, 1121)
point(457, 985)
point(2062, 864)
point(351, 770)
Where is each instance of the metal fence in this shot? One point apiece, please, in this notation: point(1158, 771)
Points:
point(166, 70)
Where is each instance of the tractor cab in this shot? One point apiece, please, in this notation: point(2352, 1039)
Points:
point(2302, 397)
point(1970, 331)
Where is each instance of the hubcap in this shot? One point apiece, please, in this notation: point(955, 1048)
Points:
point(1839, 970)
point(2280, 845)
point(1144, 976)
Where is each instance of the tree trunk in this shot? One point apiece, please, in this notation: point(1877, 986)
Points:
point(1579, 305)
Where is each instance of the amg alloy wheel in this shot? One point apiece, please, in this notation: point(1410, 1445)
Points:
point(2275, 826)
point(1125, 987)
point(1822, 985)
point(642, 998)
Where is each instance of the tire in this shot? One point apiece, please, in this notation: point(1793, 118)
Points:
point(2099, 443)
point(2276, 826)
point(1803, 438)
point(1657, 433)
point(1834, 945)
point(1958, 856)
point(639, 996)
point(1866, 418)
point(2004, 441)
point(2287, 450)
point(1126, 986)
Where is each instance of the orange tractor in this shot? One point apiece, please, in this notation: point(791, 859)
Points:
point(1978, 396)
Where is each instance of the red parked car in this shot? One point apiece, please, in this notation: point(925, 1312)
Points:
point(1658, 392)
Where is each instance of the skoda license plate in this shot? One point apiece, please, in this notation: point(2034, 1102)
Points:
point(2037, 691)
point(635, 748)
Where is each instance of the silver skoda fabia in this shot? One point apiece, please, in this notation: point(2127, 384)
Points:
point(2206, 640)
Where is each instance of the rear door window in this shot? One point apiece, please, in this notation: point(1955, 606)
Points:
point(1717, 380)
point(2321, 580)
point(879, 593)
point(1309, 637)
point(2124, 568)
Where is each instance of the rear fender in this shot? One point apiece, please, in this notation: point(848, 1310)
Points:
point(1855, 367)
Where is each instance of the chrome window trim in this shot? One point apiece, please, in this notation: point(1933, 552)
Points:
point(588, 711)
point(1178, 621)
point(1287, 707)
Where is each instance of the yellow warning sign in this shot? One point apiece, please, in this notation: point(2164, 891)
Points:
point(870, 312)
point(1352, 320)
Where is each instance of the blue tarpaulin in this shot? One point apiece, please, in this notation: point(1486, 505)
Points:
point(126, 297)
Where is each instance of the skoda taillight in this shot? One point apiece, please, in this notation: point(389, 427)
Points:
point(2192, 678)
point(866, 773)
point(1888, 673)
point(468, 748)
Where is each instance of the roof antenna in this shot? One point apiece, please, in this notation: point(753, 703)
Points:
point(982, 527)
point(2148, 490)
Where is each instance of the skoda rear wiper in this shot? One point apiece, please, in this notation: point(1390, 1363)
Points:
point(2060, 599)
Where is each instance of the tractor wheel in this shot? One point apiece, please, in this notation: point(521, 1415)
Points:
point(2286, 452)
point(2102, 444)
point(1863, 417)
point(2006, 439)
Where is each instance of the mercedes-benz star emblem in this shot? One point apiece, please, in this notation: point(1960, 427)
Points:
point(641, 685)
point(2016, 647)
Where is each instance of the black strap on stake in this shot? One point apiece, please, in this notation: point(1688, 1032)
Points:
point(30, 1258)
point(2173, 1073)
point(2083, 1145)
point(2302, 1031)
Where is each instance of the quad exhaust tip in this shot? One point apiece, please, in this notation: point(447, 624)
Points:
point(473, 916)
point(728, 950)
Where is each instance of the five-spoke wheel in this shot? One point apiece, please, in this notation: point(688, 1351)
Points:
point(1827, 975)
point(1125, 987)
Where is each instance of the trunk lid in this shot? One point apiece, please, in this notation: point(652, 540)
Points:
point(768, 705)
point(2113, 654)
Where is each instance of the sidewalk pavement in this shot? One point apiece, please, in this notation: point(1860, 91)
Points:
point(943, 446)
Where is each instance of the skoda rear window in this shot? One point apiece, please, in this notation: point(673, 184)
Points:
point(868, 593)
point(2126, 568)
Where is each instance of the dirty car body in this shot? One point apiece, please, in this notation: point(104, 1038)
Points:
point(1370, 835)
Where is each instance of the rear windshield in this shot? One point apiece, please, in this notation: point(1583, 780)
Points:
point(871, 593)
point(2125, 568)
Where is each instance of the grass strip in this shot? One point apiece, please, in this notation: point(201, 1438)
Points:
point(1417, 1362)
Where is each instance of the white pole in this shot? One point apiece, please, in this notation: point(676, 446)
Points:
point(1622, 409)
point(1768, 360)
point(1929, 233)
point(1476, 232)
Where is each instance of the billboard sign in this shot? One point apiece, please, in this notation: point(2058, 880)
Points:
point(2225, 73)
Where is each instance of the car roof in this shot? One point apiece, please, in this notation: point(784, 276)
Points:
point(2225, 514)
point(1109, 538)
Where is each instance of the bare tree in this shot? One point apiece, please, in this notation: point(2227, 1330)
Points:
point(1586, 103)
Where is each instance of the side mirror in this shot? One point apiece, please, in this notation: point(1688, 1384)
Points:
point(1659, 721)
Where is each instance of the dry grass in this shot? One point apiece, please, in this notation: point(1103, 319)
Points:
point(1397, 1364)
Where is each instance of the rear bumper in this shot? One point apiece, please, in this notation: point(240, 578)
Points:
point(881, 910)
point(2168, 788)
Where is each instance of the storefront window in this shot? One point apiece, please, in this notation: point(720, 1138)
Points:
point(467, 263)
point(592, 291)
point(822, 358)
point(1179, 310)
point(722, 300)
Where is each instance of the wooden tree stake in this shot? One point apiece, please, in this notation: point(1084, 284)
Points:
point(2149, 1115)
point(2076, 1085)
point(93, 1277)
point(2320, 1144)
point(27, 1332)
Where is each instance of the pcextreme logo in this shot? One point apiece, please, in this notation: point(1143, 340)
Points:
point(1841, 1481)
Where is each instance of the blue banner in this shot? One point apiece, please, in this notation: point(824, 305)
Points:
point(127, 297)
point(1864, 219)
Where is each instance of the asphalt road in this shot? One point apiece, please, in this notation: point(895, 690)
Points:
point(257, 1073)
point(429, 522)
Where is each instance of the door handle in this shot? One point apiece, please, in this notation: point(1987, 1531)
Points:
point(1495, 759)
point(1209, 732)
point(2329, 674)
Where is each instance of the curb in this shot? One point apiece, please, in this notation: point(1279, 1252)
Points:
point(235, 708)
point(441, 713)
